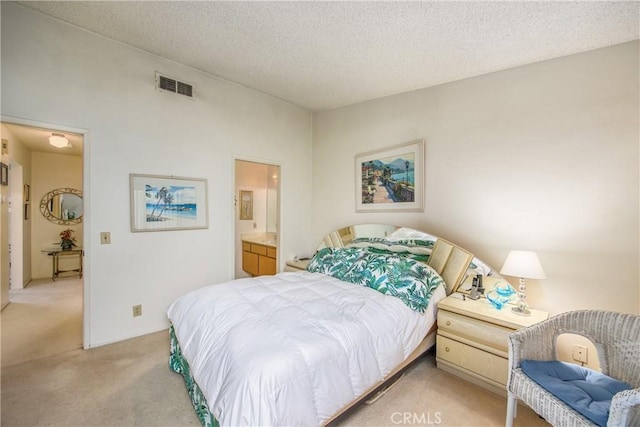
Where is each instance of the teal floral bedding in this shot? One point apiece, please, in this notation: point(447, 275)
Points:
point(179, 364)
point(391, 242)
point(417, 249)
point(335, 263)
point(392, 274)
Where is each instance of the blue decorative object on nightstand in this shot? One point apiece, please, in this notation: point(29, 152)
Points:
point(500, 295)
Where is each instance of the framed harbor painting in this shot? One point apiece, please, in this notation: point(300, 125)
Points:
point(391, 179)
point(163, 203)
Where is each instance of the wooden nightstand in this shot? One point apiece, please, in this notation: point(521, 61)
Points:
point(472, 339)
point(296, 265)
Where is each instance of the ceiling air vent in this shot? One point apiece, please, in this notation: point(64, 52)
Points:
point(169, 84)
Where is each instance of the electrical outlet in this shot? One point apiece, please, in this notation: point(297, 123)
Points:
point(137, 310)
point(580, 353)
point(105, 238)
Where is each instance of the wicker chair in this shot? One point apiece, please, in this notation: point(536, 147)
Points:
point(616, 337)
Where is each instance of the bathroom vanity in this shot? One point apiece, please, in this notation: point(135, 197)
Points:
point(259, 254)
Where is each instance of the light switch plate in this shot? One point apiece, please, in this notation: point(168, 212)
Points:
point(105, 238)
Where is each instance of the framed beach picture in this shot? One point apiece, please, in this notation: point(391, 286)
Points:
point(163, 203)
point(391, 179)
point(246, 204)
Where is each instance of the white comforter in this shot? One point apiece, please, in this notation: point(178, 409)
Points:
point(294, 348)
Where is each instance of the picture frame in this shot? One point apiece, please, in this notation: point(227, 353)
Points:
point(27, 192)
point(166, 203)
point(246, 205)
point(391, 179)
point(4, 174)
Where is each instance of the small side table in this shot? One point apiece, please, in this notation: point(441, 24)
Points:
point(296, 265)
point(68, 253)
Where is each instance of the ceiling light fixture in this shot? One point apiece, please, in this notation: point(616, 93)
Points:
point(58, 140)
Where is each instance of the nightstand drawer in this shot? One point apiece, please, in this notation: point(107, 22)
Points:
point(472, 359)
point(478, 331)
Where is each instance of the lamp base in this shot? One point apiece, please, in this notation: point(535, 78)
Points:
point(521, 312)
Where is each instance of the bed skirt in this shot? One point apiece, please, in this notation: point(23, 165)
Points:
point(179, 364)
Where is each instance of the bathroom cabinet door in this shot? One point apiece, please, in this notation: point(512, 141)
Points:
point(250, 263)
point(266, 266)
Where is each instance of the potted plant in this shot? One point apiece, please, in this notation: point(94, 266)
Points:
point(67, 241)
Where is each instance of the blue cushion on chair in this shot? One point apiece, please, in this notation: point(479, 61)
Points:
point(585, 390)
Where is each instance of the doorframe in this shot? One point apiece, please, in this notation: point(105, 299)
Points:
point(16, 226)
point(263, 161)
point(86, 212)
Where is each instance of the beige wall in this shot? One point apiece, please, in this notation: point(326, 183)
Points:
point(51, 171)
point(19, 157)
point(541, 157)
point(22, 155)
point(4, 244)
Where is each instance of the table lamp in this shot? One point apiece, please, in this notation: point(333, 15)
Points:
point(524, 265)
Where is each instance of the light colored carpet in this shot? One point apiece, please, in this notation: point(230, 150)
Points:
point(427, 395)
point(47, 380)
point(123, 384)
point(130, 384)
point(43, 319)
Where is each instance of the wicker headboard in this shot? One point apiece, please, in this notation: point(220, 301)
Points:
point(451, 262)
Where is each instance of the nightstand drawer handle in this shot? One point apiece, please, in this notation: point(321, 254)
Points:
point(446, 349)
point(448, 323)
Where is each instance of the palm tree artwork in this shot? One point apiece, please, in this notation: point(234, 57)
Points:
point(170, 202)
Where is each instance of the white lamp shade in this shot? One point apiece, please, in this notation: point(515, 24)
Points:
point(523, 264)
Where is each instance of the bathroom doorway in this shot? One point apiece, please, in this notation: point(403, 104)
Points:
point(257, 206)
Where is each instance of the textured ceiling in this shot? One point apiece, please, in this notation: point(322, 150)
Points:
point(322, 55)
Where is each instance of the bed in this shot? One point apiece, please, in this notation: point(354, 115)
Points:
point(301, 348)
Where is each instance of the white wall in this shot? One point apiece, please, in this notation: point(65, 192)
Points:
point(541, 157)
point(58, 74)
point(273, 202)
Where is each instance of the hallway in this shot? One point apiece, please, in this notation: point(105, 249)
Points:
point(43, 319)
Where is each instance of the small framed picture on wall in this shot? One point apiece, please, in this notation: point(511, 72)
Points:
point(4, 174)
point(246, 205)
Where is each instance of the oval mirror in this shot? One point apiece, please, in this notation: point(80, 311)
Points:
point(62, 206)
